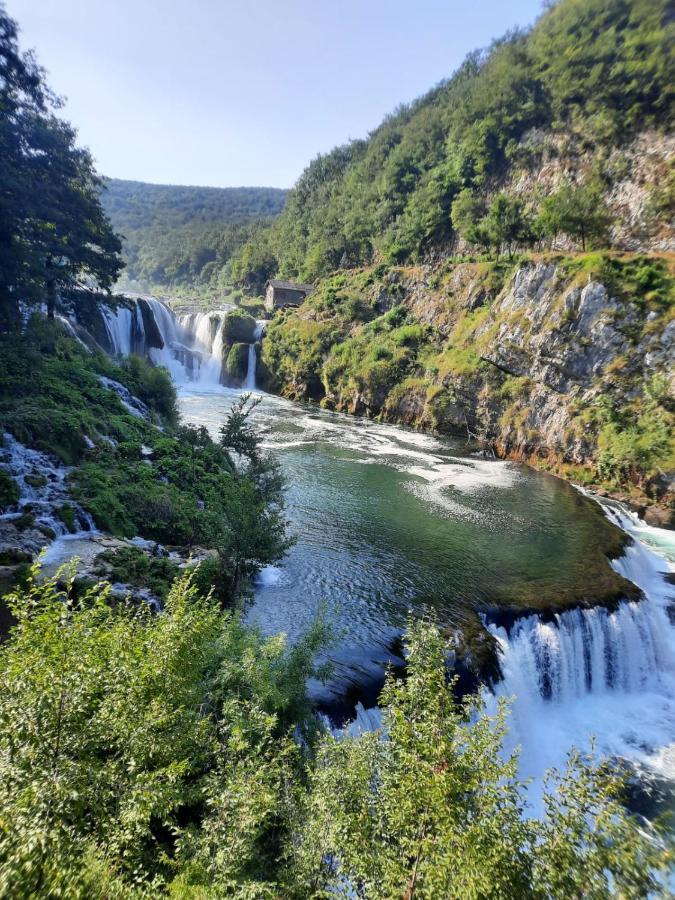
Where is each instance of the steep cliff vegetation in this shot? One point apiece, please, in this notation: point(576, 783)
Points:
point(456, 287)
point(584, 100)
point(565, 360)
point(179, 240)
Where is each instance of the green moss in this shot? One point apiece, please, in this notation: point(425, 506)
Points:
point(66, 514)
point(35, 480)
point(238, 326)
point(9, 491)
point(236, 364)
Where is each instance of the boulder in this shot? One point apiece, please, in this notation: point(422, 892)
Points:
point(660, 517)
point(238, 327)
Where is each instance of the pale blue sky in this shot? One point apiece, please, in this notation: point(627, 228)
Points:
point(216, 92)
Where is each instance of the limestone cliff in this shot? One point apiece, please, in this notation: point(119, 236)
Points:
point(569, 362)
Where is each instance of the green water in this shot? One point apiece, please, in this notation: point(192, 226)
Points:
point(389, 521)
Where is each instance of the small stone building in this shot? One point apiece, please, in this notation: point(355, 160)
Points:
point(279, 294)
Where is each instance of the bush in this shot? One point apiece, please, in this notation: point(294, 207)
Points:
point(152, 385)
point(175, 755)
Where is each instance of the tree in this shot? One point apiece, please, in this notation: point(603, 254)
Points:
point(255, 531)
point(467, 213)
point(503, 225)
point(507, 225)
point(430, 807)
point(53, 231)
point(578, 210)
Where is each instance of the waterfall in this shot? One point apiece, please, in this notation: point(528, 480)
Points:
point(249, 383)
point(118, 325)
point(252, 365)
point(191, 347)
point(594, 673)
point(43, 489)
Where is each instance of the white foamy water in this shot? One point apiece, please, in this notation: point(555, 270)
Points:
point(594, 675)
point(43, 488)
point(193, 346)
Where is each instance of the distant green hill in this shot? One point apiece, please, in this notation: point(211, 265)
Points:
point(179, 239)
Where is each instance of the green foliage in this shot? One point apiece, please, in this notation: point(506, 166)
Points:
point(134, 747)
point(182, 240)
point(433, 809)
point(503, 225)
point(254, 263)
point(644, 280)
point(578, 211)
point(152, 385)
point(9, 491)
point(238, 325)
point(593, 69)
point(176, 487)
point(153, 755)
point(236, 364)
point(51, 397)
point(131, 565)
point(468, 213)
point(53, 229)
point(636, 440)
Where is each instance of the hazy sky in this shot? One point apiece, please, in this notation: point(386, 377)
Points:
point(218, 92)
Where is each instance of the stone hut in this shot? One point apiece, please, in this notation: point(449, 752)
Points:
point(279, 294)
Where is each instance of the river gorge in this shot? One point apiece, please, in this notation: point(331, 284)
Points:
point(390, 523)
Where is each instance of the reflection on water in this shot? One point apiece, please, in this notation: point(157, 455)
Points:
point(388, 521)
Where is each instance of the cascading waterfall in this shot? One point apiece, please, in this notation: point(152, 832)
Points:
point(192, 346)
point(252, 364)
point(118, 324)
point(594, 673)
point(43, 489)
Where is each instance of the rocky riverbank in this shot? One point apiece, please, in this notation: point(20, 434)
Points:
point(567, 363)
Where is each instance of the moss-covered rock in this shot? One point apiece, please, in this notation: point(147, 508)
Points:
point(66, 514)
point(9, 491)
point(236, 364)
point(238, 327)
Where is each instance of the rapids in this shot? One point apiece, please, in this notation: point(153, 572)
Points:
point(391, 523)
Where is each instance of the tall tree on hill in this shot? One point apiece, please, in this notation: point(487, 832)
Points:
point(53, 231)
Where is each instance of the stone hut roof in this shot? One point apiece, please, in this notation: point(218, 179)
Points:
point(290, 285)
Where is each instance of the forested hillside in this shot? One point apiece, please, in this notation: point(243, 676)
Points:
point(496, 258)
point(178, 238)
point(556, 135)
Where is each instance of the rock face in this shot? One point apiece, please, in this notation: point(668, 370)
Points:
point(556, 361)
point(552, 350)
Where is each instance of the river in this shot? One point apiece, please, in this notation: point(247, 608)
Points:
point(390, 523)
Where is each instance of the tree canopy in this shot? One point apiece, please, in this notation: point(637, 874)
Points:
point(53, 230)
point(181, 239)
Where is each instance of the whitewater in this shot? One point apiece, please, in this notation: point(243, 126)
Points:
point(577, 677)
